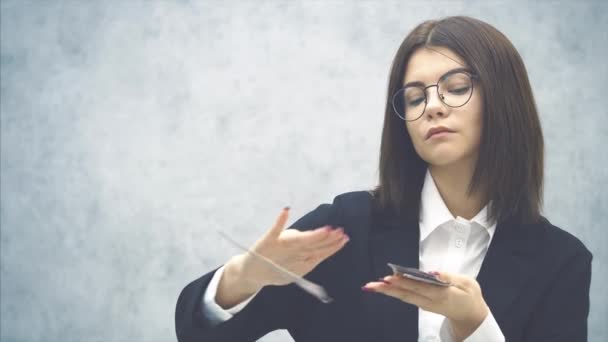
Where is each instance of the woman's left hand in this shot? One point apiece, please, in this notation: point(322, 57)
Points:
point(462, 303)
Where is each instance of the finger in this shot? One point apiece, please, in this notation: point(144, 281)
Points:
point(331, 239)
point(326, 252)
point(399, 293)
point(279, 225)
point(462, 282)
point(311, 238)
point(427, 290)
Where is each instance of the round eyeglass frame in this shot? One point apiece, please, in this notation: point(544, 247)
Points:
point(471, 75)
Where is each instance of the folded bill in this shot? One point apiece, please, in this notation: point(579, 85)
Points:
point(417, 274)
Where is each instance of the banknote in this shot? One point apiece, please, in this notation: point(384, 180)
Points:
point(417, 274)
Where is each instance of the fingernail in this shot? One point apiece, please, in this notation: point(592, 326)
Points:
point(367, 289)
point(286, 208)
point(434, 273)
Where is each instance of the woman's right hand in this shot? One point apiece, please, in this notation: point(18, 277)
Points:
point(297, 251)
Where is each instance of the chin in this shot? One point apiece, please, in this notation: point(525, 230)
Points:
point(442, 159)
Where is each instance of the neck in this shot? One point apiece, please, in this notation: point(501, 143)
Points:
point(452, 181)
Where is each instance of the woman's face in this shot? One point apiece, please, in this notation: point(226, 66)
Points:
point(427, 66)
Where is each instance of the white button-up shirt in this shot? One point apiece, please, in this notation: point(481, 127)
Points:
point(454, 245)
point(449, 244)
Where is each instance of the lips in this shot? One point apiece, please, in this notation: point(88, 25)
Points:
point(437, 129)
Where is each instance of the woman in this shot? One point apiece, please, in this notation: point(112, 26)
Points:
point(459, 195)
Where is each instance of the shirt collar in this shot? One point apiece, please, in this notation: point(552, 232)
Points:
point(434, 212)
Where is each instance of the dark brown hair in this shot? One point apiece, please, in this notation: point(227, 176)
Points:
point(511, 148)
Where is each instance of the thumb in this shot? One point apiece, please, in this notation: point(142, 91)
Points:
point(459, 280)
point(279, 225)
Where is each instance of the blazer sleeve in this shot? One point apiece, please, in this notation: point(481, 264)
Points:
point(274, 307)
point(562, 314)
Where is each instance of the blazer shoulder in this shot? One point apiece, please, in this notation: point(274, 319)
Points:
point(355, 197)
point(562, 241)
point(344, 209)
point(355, 203)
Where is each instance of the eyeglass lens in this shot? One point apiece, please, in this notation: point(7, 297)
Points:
point(454, 90)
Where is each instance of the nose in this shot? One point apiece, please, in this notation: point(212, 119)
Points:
point(434, 105)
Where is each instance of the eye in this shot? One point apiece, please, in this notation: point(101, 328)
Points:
point(415, 102)
point(460, 91)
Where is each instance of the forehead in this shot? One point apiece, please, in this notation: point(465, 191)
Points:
point(428, 64)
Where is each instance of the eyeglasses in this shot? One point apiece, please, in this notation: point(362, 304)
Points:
point(454, 89)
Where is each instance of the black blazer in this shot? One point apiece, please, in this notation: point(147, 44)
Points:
point(535, 279)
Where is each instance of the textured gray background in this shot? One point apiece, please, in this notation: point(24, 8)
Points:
point(132, 130)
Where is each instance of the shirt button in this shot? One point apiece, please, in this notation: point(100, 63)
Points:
point(458, 243)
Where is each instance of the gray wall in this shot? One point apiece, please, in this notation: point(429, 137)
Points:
point(132, 130)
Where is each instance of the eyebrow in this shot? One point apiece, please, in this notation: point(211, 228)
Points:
point(453, 71)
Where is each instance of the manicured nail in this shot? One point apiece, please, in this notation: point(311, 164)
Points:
point(367, 289)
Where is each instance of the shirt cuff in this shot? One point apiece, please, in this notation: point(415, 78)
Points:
point(212, 310)
point(488, 331)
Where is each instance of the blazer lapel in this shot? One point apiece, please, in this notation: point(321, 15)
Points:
point(396, 241)
point(507, 266)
